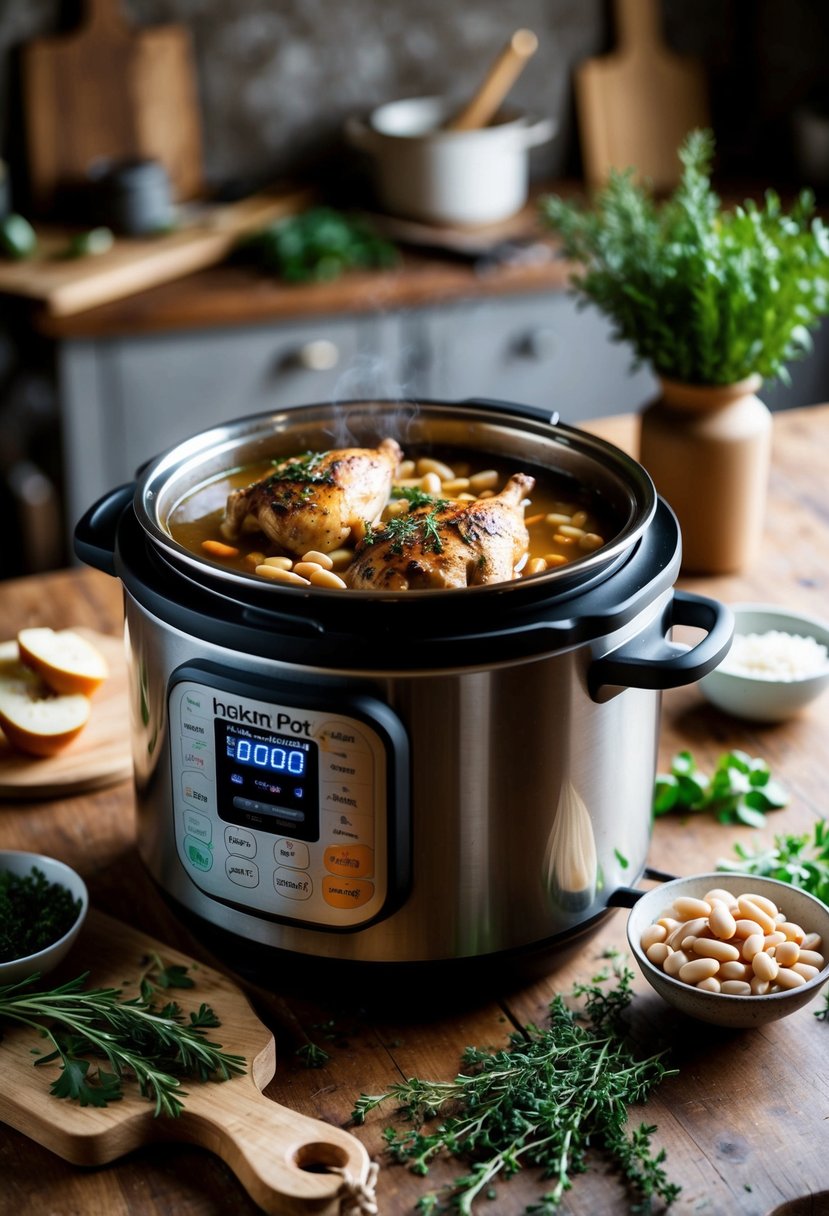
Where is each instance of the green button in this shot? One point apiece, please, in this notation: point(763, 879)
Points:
point(198, 854)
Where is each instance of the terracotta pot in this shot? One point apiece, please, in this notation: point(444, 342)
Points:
point(708, 449)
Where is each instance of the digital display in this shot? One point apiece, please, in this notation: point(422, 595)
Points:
point(267, 780)
point(273, 758)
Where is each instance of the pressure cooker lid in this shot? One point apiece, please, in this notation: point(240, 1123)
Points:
point(516, 435)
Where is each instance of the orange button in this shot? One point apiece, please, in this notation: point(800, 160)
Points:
point(346, 893)
point(353, 860)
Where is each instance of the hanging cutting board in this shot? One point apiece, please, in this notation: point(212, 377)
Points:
point(205, 236)
point(637, 104)
point(109, 91)
point(100, 755)
point(279, 1156)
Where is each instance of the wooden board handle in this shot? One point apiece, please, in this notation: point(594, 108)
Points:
point(104, 17)
point(497, 83)
point(638, 24)
point(282, 1158)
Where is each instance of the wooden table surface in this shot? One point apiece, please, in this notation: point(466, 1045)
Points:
point(745, 1123)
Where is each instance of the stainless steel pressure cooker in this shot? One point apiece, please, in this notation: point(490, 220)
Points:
point(430, 777)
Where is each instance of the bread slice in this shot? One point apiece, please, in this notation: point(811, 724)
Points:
point(63, 659)
point(33, 718)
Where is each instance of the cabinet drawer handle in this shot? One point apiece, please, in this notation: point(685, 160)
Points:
point(319, 355)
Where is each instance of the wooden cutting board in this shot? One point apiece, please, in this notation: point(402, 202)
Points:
point(637, 104)
point(205, 236)
point(279, 1155)
point(106, 91)
point(99, 756)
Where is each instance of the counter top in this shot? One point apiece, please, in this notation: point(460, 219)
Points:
point(745, 1123)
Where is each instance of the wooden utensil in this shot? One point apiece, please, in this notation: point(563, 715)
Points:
point(101, 754)
point(106, 91)
point(506, 69)
point(67, 286)
point(283, 1159)
point(637, 104)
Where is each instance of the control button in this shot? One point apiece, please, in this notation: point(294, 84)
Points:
point(195, 701)
point(240, 842)
point(340, 736)
point(346, 892)
point(349, 859)
point(243, 873)
point(197, 790)
point(196, 754)
point(198, 825)
point(251, 807)
point(292, 853)
point(346, 796)
point(193, 727)
point(346, 766)
point(293, 884)
point(198, 854)
point(341, 827)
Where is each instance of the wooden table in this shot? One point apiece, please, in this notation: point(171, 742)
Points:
point(745, 1123)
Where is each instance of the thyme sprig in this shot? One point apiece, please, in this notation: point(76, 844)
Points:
point(155, 1045)
point(416, 526)
point(542, 1102)
point(304, 469)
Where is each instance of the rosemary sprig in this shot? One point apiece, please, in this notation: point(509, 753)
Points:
point(542, 1102)
point(154, 1045)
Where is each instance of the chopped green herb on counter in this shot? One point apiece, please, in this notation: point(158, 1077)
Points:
point(802, 861)
point(154, 1045)
point(34, 913)
point(542, 1102)
point(740, 791)
point(317, 245)
point(312, 1055)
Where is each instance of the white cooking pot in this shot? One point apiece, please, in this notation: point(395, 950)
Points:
point(448, 177)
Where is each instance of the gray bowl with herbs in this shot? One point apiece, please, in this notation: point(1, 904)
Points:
point(43, 904)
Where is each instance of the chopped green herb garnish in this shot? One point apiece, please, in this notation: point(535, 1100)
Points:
point(740, 790)
point(414, 496)
point(304, 469)
point(34, 913)
point(312, 1055)
point(544, 1101)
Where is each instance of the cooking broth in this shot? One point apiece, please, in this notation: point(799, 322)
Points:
point(565, 521)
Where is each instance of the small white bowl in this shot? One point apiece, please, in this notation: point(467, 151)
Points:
point(56, 872)
point(755, 698)
point(722, 1009)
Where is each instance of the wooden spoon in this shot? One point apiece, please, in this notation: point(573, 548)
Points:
point(496, 84)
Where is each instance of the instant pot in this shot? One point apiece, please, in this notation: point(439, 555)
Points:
point(437, 777)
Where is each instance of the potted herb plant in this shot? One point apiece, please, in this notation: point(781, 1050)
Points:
point(716, 301)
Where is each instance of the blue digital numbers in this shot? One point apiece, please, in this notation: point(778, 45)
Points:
point(267, 756)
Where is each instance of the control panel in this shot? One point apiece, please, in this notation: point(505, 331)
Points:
point(288, 810)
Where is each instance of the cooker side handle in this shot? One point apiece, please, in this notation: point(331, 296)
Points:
point(651, 661)
point(534, 412)
point(97, 529)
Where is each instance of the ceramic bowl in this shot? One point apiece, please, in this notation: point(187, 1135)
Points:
point(715, 1007)
point(45, 960)
point(756, 698)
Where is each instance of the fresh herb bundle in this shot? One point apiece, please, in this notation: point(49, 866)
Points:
point(154, 1045)
point(544, 1101)
point(318, 244)
point(740, 790)
point(802, 860)
point(703, 294)
point(34, 913)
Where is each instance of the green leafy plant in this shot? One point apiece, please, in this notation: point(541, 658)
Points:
point(740, 790)
point(544, 1101)
point(801, 860)
point(318, 244)
point(156, 1046)
point(34, 913)
point(704, 294)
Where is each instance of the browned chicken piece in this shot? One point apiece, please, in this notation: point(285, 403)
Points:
point(446, 544)
point(315, 501)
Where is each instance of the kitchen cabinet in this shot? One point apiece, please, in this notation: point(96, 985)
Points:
point(126, 398)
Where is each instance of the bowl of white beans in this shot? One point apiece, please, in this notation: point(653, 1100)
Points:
point(778, 663)
point(731, 949)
